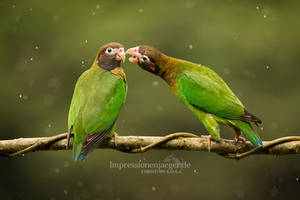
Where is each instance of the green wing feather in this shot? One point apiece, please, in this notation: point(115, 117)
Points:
point(96, 104)
point(205, 90)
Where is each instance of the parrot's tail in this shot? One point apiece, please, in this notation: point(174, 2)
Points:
point(77, 155)
point(248, 132)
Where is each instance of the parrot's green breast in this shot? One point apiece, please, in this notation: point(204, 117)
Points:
point(96, 103)
point(205, 90)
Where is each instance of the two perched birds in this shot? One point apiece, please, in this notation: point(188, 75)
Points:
point(100, 93)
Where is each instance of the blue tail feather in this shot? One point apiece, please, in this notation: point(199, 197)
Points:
point(248, 132)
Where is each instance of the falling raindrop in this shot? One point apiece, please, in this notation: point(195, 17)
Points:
point(267, 67)
point(86, 41)
point(36, 47)
point(265, 16)
point(93, 13)
point(20, 96)
point(159, 108)
point(82, 62)
point(18, 18)
point(297, 180)
point(66, 164)
point(226, 71)
point(155, 83)
point(257, 7)
point(153, 188)
point(49, 125)
point(79, 184)
point(141, 10)
point(56, 170)
point(190, 46)
point(97, 6)
point(262, 128)
point(31, 59)
point(30, 9)
point(195, 171)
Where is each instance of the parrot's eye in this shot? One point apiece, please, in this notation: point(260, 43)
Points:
point(145, 58)
point(109, 50)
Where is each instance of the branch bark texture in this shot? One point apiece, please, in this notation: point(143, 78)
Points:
point(176, 141)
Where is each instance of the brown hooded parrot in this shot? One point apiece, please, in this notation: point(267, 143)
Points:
point(202, 91)
point(98, 97)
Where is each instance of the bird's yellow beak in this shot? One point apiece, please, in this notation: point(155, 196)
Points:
point(121, 55)
point(134, 52)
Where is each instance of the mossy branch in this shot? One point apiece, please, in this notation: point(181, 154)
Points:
point(176, 141)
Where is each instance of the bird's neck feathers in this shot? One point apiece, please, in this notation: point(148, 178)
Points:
point(116, 70)
point(168, 66)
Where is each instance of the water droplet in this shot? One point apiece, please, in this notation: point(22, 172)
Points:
point(36, 47)
point(262, 128)
point(267, 67)
point(48, 99)
point(93, 13)
point(141, 10)
point(265, 16)
point(31, 59)
point(97, 6)
point(297, 179)
point(155, 83)
point(79, 184)
point(23, 154)
point(65, 192)
point(49, 125)
point(30, 9)
point(274, 191)
point(18, 18)
point(82, 62)
point(195, 171)
point(153, 188)
point(226, 71)
point(159, 108)
point(66, 164)
point(56, 170)
point(257, 7)
point(190, 46)
point(86, 41)
point(20, 96)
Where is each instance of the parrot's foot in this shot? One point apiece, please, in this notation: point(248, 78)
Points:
point(116, 135)
point(208, 137)
point(238, 138)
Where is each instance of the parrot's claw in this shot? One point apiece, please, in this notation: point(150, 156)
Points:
point(238, 138)
point(208, 137)
point(115, 139)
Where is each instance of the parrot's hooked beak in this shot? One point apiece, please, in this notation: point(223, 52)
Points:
point(135, 55)
point(121, 55)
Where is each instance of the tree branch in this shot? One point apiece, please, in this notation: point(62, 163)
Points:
point(176, 141)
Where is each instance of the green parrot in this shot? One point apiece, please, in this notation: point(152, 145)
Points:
point(202, 91)
point(98, 97)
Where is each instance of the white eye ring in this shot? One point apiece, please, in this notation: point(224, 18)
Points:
point(109, 50)
point(145, 58)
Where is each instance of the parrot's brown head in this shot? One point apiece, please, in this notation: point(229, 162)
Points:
point(110, 56)
point(147, 58)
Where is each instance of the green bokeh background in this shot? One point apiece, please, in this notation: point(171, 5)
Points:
point(46, 45)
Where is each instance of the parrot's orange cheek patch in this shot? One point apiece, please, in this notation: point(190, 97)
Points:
point(133, 59)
